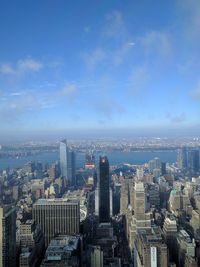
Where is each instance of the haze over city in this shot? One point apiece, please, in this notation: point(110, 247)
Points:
point(99, 68)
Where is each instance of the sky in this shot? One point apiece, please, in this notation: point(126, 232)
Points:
point(96, 66)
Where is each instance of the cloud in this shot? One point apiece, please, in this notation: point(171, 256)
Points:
point(108, 107)
point(115, 26)
point(195, 94)
point(14, 108)
point(17, 93)
point(176, 119)
point(191, 11)
point(120, 53)
point(69, 91)
point(139, 79)
point(157, 43)
point(93, 58)
point(22, 66)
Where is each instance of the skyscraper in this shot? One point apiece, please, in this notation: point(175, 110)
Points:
point(193, 160)
point(63, 158)
point(182, 158)
point(57, 216)
point(139, 201)
point(7, 236)
point(67, 163)
point(104, 190)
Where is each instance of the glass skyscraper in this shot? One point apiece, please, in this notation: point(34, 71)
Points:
point(67, 163)
point(7, 236)
point(104, 190)
point(63, 158)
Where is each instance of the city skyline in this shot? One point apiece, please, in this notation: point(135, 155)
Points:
point(99, 69)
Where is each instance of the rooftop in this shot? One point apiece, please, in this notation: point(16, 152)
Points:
point(56, 201)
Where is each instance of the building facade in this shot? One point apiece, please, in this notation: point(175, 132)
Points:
point(57, 216)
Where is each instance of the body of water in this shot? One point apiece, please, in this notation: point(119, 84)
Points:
point(114, 158)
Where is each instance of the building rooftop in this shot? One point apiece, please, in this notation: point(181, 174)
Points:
point(63, 243)
point(56, 201)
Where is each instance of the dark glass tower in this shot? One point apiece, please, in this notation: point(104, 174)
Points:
point(104, 190)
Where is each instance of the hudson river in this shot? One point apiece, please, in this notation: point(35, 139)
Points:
point(114, 158)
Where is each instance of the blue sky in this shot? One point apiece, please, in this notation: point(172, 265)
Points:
point(99, 65)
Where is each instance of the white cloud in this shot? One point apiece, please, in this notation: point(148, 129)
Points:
point(176, 119)
point(157, 43)
point(191, 11)
point(108, 107)
point(120, 54)
point(69, 92)
point(139, 78)
point(22, 66)
point(196, 92)
point(115, 26)
point(93, 58)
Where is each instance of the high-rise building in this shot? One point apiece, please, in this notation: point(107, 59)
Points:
point(170, 232)
point(140, 219)
point(63, 158)
point(67, 163)
point(64, 250)
point(57, 216)
point(150, 249)
point(193, 160)
point(182, 158)
point(71, 168)
point(104, 190)
point(139, 201)
point(96, 257)
point(163, 168)
point(7, 236)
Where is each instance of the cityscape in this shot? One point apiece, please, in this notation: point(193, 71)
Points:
point(99, 133)
point(97, 214)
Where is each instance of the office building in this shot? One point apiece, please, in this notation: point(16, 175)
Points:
point(170, 233)
point(63, 250)
point(139, 201)
point(57, 216)
point(96, 257)
point(63, 158)
point(150, 249)
point(67, 164)
point(104, 190)
point(140, 219)
point(182, 158)
point(193, 160)
point(7, 236)
point(185, 249)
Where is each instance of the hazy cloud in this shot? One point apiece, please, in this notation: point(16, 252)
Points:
point(108, 107)
point(179, 118)
point(196, 92)
point(139, 78)
point(22, 66)
point(157, 43)
point(93, 58)
point(69, 91)
point(191, 11)
point(115, 26)
point(122, 52)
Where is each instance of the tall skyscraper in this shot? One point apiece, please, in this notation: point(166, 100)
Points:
point(67, 163)
point(139, 201)
point(57, 216)
point(193, 160)
point(104, 190)
point(182, 158)
point(71, 168)
point(63, 158)
point(7, 236)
